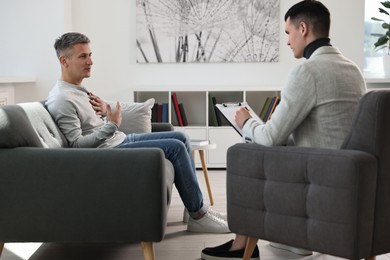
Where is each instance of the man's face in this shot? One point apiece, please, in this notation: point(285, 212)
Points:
point(78, 65)
point(296, 39)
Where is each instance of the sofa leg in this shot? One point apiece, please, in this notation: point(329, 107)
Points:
point(370, 258)
point(1, 248)
point(250, 246)
point(148, 250)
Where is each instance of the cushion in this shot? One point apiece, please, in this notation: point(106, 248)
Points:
point(16, 129)
point(48, 133)
point(136, 117)
point(28, 124)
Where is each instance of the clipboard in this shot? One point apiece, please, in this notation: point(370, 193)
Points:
point(228, 111)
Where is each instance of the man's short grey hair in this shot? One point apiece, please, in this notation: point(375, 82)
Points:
point(65, 43)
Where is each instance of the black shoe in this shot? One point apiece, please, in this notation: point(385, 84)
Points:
point(222, 252)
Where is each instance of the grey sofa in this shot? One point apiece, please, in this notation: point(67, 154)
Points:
point(333, 201)
point(50, 193)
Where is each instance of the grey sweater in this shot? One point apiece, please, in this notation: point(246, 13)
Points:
point(69, 106)
point(317, 103)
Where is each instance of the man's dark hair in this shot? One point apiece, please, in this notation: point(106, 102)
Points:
point(64, 44)
point(312, 12)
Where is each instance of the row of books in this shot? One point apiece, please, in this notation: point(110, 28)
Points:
point(269, 107)
point(179, 110)
point(160, 113)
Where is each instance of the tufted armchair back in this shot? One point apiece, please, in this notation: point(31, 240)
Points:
point(370, 133)
point(371, 125)
point(29, 125)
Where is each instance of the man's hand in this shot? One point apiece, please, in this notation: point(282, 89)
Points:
point(115, 116)
point(242, 115)
point(98, 104)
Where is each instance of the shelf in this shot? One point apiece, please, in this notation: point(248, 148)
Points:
point(194, 104)
point(12, 80)
point(201, 120)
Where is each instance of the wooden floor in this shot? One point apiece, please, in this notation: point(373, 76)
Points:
point(178, 244)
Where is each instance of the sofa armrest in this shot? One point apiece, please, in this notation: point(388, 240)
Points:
point(84, 195)
point(318, 199)
point(160, 127)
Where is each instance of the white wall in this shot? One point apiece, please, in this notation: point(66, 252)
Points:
point(111, 27)
point(27, 31)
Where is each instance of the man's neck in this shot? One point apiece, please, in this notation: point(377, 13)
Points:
point(314, 45)
point(70, 80)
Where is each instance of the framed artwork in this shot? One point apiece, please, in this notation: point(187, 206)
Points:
point(181, 31)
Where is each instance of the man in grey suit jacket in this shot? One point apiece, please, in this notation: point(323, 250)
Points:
point(317, 102)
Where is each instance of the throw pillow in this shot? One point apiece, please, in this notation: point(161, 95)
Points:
point(136, 117)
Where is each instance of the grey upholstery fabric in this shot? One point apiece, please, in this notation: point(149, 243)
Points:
point(371, 133)
point(160, 127)
point(76, 195)
point(333, 201)
point(15, 129)
point(29, 124)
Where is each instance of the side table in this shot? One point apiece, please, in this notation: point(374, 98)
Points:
point(201, 146)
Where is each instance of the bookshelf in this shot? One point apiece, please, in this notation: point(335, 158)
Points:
point(197, 107)
point(200, 124)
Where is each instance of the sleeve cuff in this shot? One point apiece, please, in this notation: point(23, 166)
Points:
point(246, 120)
point(112, 124)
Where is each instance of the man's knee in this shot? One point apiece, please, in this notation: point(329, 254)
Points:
point(183, 137)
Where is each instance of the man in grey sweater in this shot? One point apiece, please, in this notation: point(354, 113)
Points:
point(87, 121)
point(317, 103)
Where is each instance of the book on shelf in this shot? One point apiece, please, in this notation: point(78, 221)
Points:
point(159, 113)
point(199, 142)
point(265, 108)
point(183, 114)
point(212, 112)
point(164, 112)
point(273, 105)
point(269, 107)
point(219, 123)
point(177, 109)
point(154, 113)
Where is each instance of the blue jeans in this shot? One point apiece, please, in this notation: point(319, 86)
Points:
point(177, 149)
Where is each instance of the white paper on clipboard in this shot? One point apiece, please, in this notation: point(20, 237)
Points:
point(228, 110)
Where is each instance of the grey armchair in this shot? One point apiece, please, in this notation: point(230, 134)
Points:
point(49, 193)
point(333, 201)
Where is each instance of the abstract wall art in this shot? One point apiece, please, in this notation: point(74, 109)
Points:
point(205, 31)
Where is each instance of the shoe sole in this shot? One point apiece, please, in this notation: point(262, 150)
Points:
point(209, 232)
point(208, 257)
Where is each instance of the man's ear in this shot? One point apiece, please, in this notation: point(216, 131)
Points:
point(303, 28)
point(63, 61)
